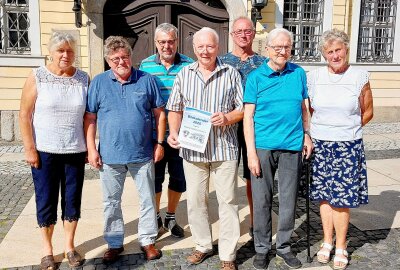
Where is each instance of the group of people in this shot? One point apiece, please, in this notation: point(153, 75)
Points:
point(259, 110)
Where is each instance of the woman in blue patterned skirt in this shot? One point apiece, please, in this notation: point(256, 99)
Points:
point(340, 103)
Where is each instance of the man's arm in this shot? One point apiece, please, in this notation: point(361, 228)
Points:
point(225, 119)
point(174, 122)
point(248, 129)
point(90, 125)
point(161, 123)
point(308, 145)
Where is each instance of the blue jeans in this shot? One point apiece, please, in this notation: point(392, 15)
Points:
point(113, 178)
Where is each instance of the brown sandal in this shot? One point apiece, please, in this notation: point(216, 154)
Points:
point(47, 263)
point(74, 259)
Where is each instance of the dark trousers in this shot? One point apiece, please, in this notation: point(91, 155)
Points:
point(55, 172)
point(288, 163)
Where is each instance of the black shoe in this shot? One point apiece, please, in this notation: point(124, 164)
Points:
point(176, 230)
point(289, 259)
point(260, 261)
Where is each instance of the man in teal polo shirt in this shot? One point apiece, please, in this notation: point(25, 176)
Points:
point(164, 65)
point(276, 133)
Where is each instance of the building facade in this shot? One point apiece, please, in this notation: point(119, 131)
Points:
point(26, 25)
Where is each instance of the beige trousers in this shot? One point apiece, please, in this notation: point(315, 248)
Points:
point(224, 176)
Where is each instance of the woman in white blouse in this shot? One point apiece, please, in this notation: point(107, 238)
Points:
point(53, 103)
point(340, 104)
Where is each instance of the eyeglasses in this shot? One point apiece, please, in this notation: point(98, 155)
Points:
point(280, 48)
point(208, 48)
point(247, 32)
point(170, 42)
point(124, 58)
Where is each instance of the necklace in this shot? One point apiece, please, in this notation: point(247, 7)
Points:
point(336, 77)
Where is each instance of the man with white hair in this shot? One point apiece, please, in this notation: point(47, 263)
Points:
point(276, 133)
point(209, 85)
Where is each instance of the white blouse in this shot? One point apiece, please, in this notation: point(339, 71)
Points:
point(59, 109)
point(335, 101)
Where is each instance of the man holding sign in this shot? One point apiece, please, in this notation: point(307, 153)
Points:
point(210, 86)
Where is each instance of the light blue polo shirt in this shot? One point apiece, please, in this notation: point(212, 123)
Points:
point(124, 115)
point(277, 96)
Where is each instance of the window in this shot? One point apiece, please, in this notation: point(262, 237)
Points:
point(377, 31)
point(14, 25)
point(304, 18)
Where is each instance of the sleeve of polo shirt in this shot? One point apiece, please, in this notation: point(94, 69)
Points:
point(304, 84)
point(92, 104)
point(175, 99)
point(157, 101)
point(239, 91)
point(250, 93)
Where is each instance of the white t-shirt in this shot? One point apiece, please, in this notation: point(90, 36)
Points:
point(335, 100)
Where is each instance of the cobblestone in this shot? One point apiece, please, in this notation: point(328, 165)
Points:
point(369, 250)
point(381, 128)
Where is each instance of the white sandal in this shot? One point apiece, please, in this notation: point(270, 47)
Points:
point(326, 253)
point(343, 252)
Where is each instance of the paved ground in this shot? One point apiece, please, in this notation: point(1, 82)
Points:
point(369, 249)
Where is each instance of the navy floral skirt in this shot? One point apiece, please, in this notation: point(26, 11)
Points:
point(339, 173)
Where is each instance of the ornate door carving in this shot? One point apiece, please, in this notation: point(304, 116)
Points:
point(138, 19)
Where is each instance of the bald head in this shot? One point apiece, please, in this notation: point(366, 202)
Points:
point(206, 31)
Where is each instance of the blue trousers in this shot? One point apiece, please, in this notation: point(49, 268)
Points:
point(65, 171)
point(113, 179)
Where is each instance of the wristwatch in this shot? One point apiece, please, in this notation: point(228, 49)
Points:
point(160, 143)
point(307, 132)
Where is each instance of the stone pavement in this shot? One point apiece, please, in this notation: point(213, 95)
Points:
point(374, 233)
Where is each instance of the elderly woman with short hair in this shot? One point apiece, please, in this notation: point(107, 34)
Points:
point(51, 120)
point(341, 104)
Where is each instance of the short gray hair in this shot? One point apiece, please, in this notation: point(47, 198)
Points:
point(115, 43)
point(166, 28)
point(276, 32)
point(243, 18)
point(57, 38)
point(206, 30)
point(330, 36)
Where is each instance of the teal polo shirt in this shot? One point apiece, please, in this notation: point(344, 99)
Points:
point(164, 78)
point(277, 97)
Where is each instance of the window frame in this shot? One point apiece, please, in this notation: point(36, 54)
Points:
point(35, 58)
point(326, 24)
point(394, 66)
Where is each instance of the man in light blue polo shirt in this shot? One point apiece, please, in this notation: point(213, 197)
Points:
point(121, 102)
point(165, 65)
point(276, 133)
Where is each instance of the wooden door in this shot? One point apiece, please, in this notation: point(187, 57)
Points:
point(138, 19)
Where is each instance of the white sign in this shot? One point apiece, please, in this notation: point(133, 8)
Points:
point(195, 129)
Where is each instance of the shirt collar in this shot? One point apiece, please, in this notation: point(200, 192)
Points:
point(177, 59)
point(219, 63)
point(269, 71)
